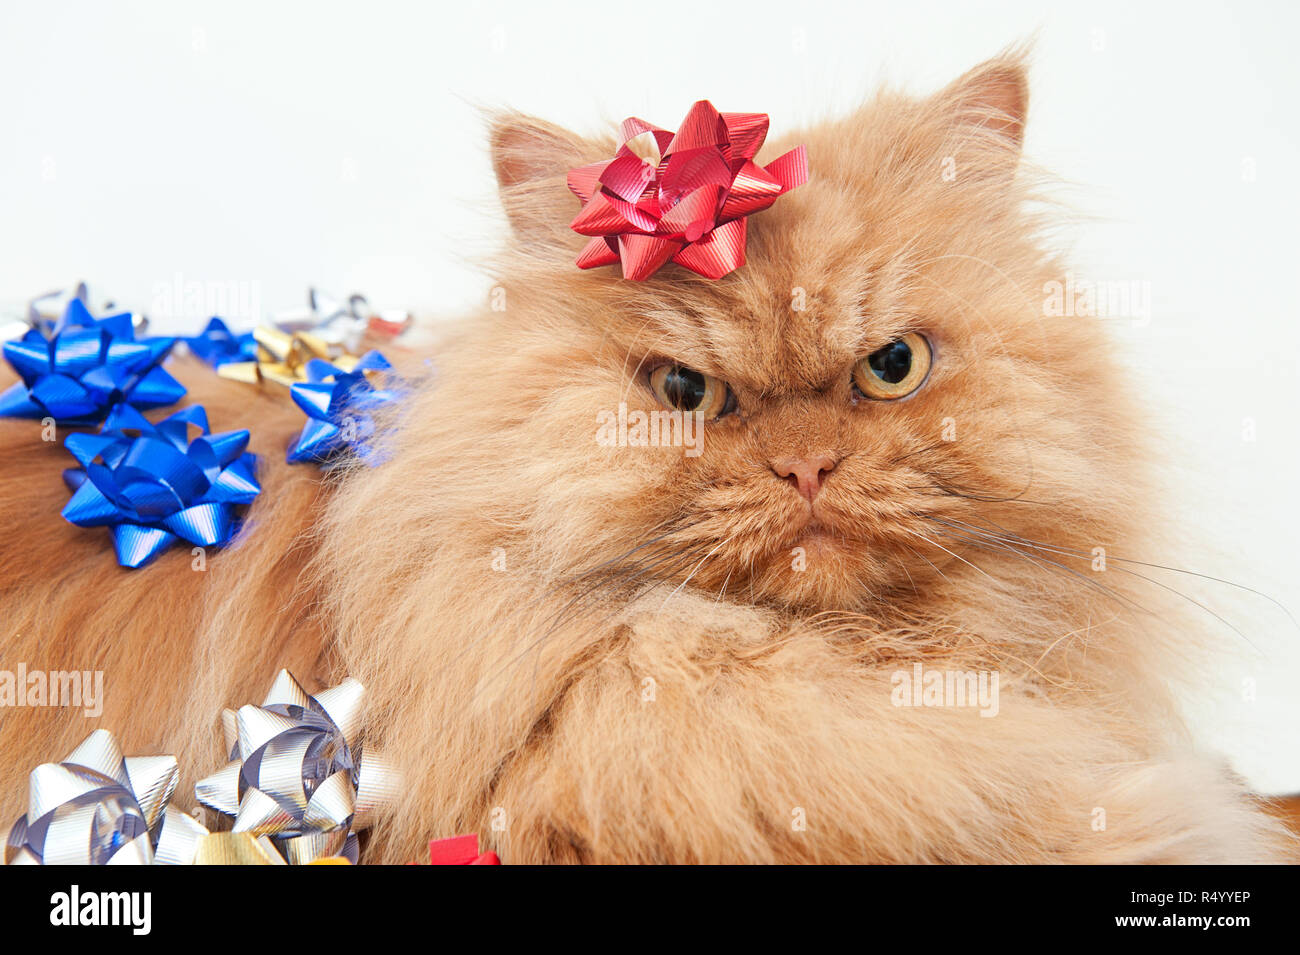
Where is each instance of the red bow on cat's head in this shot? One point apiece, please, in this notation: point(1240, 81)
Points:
point(689, 207)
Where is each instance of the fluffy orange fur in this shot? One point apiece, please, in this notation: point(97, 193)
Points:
point(607, 654)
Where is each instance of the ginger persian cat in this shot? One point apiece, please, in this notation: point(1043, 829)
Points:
point(592, 653)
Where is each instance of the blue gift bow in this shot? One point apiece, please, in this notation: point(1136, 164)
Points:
point(158, 487)
point(218, 345)
point(85, 367)
point(333, 399)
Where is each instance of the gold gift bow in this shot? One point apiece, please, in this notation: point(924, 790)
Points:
point(282, 357)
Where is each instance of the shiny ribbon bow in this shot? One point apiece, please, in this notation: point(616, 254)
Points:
point(342, 323)
point(186, 841)
point(218, 345)
point(296, 773)
point(690, 205)
point(282, 357)
point(94, 808)
point(459, 850)
point(12, 326)
point(85, 367)
point(44, 311)
point(157, 486)
point(337, 403)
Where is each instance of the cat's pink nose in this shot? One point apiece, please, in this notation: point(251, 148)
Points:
point(806, 474)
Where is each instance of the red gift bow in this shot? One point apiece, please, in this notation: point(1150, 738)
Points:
point(459, 850)
point(691, 207)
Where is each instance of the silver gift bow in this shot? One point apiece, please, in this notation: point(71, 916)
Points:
point(95, 807)
point(44, 311)
point(296, 773)
point(339, 322)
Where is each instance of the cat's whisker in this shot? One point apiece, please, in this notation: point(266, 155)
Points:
point(592, 584)
point(938, 488)
point(645, 352)
point(612, 574)
point(723, 589)
point(669, 528)
point(948, 552)
point(556, 621)
point(867, 589)
point(1035, 666)
point(547, 592)
point(1064, 551)
point(902, 564)
point(634, 571)
point(932, 564)
point(926, 449)
point(693, 572)
point(992, 545)
point(992, 538)
point(995, 329)
point(1052, 565)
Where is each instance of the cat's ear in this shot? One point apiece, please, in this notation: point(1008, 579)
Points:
point(532, 159)
point(989, 105)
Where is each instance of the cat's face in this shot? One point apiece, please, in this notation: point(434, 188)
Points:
point(877, 379)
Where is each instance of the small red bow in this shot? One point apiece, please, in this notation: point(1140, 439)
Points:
point(691, 206)
point(459, 850)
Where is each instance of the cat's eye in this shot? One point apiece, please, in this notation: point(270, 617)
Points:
point(894, 371)
point(685, 389)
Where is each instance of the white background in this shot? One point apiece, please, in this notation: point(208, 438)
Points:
point(281, 145)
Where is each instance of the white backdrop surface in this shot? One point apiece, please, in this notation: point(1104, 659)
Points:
point(269, 146)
